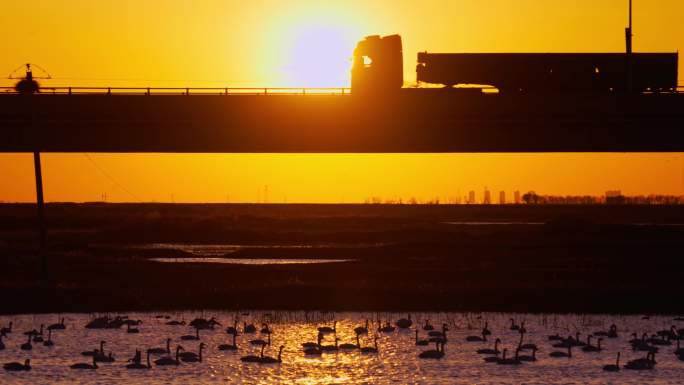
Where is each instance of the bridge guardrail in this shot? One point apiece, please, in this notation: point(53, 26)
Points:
point(198, 90)
point(186, 91)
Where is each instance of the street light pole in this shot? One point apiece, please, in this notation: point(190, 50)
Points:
point(628, 41)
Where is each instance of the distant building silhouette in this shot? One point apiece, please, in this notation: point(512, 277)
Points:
point(502, 197)
point(471, 197)
point(614, 197)
point(516, 197)
point(487, 200)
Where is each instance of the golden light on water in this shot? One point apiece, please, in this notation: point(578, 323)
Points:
point(396, 361)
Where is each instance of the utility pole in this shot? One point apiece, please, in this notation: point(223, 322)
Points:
point(42, 237)
point(628, 41)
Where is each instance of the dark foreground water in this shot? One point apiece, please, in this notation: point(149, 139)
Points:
point(396, 361)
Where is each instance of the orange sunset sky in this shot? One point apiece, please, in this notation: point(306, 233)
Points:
point(226, 43)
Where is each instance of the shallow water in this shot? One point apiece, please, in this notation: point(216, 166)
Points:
point(250, 261)
point(396, 362)
point(218, 250)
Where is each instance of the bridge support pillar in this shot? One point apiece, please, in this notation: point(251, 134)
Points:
point(42, 231)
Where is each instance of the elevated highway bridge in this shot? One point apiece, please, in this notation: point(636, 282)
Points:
point(335, 121)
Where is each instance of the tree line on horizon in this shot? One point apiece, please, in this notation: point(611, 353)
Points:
point(532, 198)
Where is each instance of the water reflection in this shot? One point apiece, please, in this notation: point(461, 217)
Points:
point(396, 361)
point(250, 261)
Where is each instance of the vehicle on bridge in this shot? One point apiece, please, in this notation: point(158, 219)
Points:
point(377, 66)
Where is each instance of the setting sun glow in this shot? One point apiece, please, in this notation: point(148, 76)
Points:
point(313, 46)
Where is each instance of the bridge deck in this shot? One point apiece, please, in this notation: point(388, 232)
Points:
point(413, 120)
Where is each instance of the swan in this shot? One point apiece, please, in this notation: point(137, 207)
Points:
point(492, 359)
point(271, 360)
point(679, 351)
point(116, 323)
point(670, 333)
point(175, 323)
point(330, 348)
point(555, 337)
point(136, 363)
point(442, 339)
point(436, 353)
point(84, 365)
point(477, 338)
point(371, 349)
point(132, 322)
point(104, 358)
point(491, 351)
point(427, 325)
point(435, 333)
point(58, 326)
point(613, 368)
point(352, 346)
point(485, 330)
point(265, 329)
point(522, 346)
point(252, 358)
point(577, 341)
point(328, 329)
point(420, 342)
point(7, 330)
point(509, 361)
point(570, 341)
point(232, 329)
point(660, 341)
point(404, 323)
point(2, 344)
point(98, 323)
point(313, 350)
point(131, 330)
point(166, 350)
point(168, 360)
point(591, 348)
point(137, 357)
point(190, 337)
point(385, 329)
point(635, 338)
point(193, 357)
point(227, 346)
point(248, 328)
point(17, 367)
point(533, 357)
point(361, 329)
point(646, 363)
point(513, 325)
point(611, 333)
point(201, 323)
point(314, 344)
point(558, 354)
point(49, 340)
point(642, 345)
point(34, 331)
point(95, 352)
point(260, 342)
point(27, 345)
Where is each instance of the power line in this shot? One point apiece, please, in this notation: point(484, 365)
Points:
point(111, 179)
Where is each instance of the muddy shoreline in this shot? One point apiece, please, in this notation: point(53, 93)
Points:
point(583, 259)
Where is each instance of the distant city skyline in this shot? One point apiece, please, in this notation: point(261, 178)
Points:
point(337, 178)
